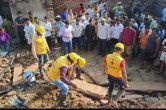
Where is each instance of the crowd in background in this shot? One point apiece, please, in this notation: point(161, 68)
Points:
point(94, 27)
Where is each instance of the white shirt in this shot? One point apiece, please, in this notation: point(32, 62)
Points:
point(103, 31)
point(47, 26)
point(117, 31)
point(85, 23)
point(135, 24)
point(90, 11)
point(1, 21)
point(164, 47)
point(108, 20)
point(29, 32)
point(66, 33)
point(78, 30)
point(111, 32)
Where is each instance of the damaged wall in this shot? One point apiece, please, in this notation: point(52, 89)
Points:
point(35, 6)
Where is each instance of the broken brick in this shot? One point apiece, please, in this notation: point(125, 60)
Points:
point(17, 77)
point(33, 67)
point(104, 102)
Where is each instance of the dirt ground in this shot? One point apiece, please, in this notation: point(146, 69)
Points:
point(44, 95)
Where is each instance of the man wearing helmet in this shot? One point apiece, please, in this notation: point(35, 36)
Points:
point(58, 73)
point(114, 66)
point(40, 48)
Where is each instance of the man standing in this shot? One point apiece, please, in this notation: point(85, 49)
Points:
point(128, 39)
point(103, 30)
point(48, 28)
point(114, 66)
point(29, 30)
point(58, 25)
point(78, 27)
point(19, 21)
point(89, 35)
point(67, 34)
point(117, 32)
point(65, 14)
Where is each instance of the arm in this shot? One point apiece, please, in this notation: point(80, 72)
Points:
point(104, 65)
point(45, 43)
point(63, 71)
point(50, 27)
point(134, 40)
point(34, 47)
point(158, 45)
point(17, 24)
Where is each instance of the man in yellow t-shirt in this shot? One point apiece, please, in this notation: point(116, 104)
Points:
point(40, 49)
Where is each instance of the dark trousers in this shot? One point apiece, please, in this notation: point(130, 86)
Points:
point(108, 46)
point(102, 47)
point(21, 35)
point(48, 39)
point(88, 44)
point(121, 85)
point(67, 47)
point(114, 42)
point(76, 43)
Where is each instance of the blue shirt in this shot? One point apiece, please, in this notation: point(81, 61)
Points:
point(163, 18)
point(64, 16)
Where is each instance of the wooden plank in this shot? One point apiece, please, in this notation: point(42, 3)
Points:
point(130, 97)
point(146, 86)
point(33, 67)
point(17, 77)
point(158, 103)
point(90, 89)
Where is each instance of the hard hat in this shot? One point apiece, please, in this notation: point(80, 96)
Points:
point(74, 57)
point(120, 45)
point(58, 16)
point(103, 20)
point(81, 62)
point(40, 29)
point(119, 3)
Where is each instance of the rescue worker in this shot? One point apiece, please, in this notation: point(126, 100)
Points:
point(58, 73)
point(40, 49)
point(114, 66)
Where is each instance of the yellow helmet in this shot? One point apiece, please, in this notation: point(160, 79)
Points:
point(120, 45)
point(74, 57)
point(40, 29)
point(81, 62)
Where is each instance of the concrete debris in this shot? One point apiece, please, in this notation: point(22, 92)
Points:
point(90, 89)
point(103, 102)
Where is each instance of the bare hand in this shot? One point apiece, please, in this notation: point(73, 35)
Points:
point(74, 86)
point(127, 85)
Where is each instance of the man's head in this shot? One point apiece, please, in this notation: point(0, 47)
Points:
point(45, 19)
point(147, 28)
point(77, 21)
point(30, 14)
point(103, 21)
point(72, 58)
point(119, 48)
point(81, 62)
point(65, 10)
point(105, 14)
point(36, 19)
point(90, 21)
point(117, 20)
point(87, 16)
point(58, 18)
point(19, 13)
point(27, 21)
point(154, 31)
point(119, 3)
point(66, 24)
point(130, 4)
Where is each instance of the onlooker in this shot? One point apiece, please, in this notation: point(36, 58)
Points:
point(128, 38)
point(1, 21)
point(163, 58)
point(70, 16)
point(67, 34)
point(103, 30)
point(144, 39)
point(80, 9)
point(40, 49)
point(163, 18)
point(19, 21)
point(161, 32)
point(96, 10)
point(118, 9)
point(58, 25)
point(31, 17)
point(87, 17)
point(110, 36)
point(29, 30)
point(89, 35)
point(36, 22)
point(105, 16)
point(129, 10)
point(65, 14)
point(103, 10)
point(137, 10)
point(4, 40)
point(48, 28)
point(96, 24)
point(117, 32)
point(154, 23)
point(78, 27)
point(151, 49)
point(90, 11)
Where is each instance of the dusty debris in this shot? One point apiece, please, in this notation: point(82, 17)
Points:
point(91, 89)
